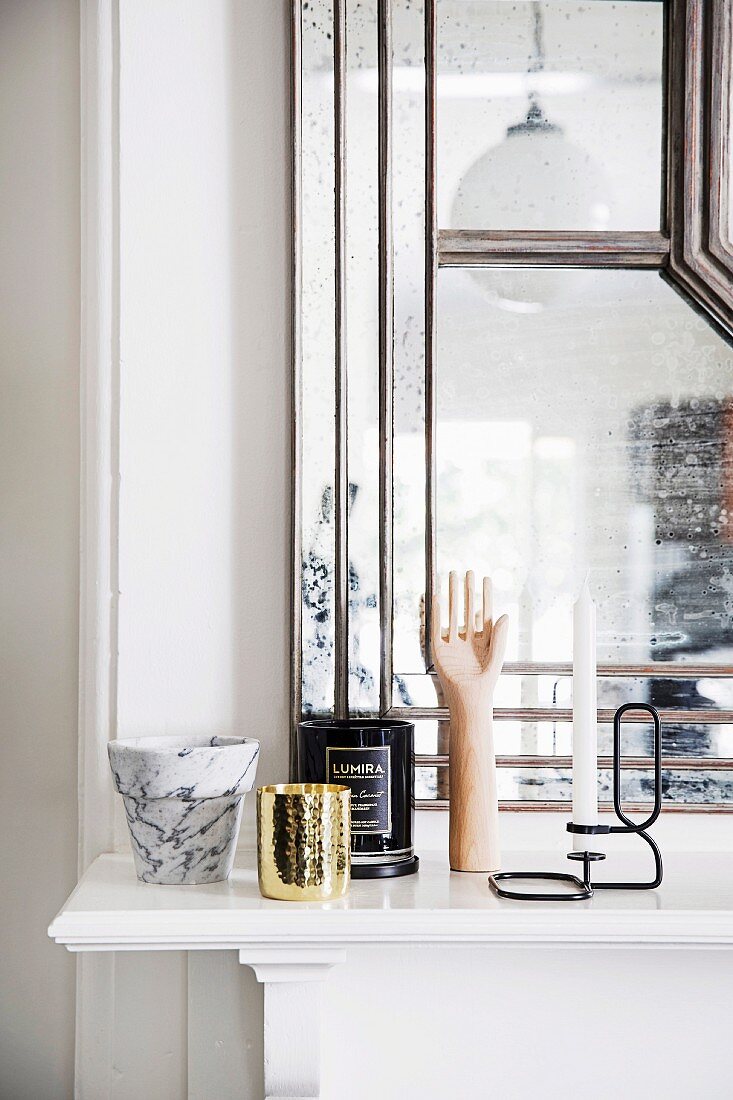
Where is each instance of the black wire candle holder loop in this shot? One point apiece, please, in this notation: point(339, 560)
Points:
point(585, 887)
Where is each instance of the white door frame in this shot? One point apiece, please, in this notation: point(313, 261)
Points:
point(100, 313)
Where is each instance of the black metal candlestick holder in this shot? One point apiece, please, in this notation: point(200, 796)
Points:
point(585, 886)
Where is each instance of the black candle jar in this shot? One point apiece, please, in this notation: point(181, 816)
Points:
point(375, 758)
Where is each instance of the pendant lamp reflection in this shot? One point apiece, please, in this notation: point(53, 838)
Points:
point(534, 179)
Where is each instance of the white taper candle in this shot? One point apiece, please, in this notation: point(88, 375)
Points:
point(585, 733)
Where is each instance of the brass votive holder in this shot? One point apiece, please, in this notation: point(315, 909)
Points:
point(303, 841)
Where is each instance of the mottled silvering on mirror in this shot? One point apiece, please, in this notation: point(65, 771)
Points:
point(317, 320)
point(554, 692)
point(361, 315)
point(545, 737)
point(592, 433)
point(705, 787)
point(409, 342)
point(706, 736)
point(549, 114)
point(362, 353)
point(584, 424)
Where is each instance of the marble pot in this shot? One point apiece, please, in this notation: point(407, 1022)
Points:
point(183, 800)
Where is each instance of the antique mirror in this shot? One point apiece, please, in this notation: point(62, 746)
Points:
point(512, 352)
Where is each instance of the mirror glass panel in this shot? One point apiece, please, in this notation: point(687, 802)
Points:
point(361, 327)
point(585, 424)
point(317, 327)
point(584, 417)
point(555, 785)
point(549, 114)
point(409, 334)
point(553, 737)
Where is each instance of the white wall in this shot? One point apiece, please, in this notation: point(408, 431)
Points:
point(204, 348)
point(204, 211)
point(39, 532)
point(205, 372)
point(204, 579)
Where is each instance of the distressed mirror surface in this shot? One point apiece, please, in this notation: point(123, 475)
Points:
point(317, 327)
point(593, 435)
point(497, 379)
point(549, 114)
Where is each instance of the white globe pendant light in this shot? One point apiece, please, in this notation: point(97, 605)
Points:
point(533, 179)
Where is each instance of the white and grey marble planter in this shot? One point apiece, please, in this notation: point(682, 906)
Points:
point(183, 800)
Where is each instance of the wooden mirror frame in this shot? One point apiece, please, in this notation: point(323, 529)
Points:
point(701, 252)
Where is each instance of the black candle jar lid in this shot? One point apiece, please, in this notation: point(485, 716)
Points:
point(398, 837)
point(386, 870)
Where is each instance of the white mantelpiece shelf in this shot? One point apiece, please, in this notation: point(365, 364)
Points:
point(291, 947)
point(110, 910)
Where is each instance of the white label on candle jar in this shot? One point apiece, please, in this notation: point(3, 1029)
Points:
point(366, 773)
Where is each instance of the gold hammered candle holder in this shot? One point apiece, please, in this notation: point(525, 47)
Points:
point(303, 841)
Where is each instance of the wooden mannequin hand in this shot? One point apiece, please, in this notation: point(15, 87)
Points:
point(468, 661)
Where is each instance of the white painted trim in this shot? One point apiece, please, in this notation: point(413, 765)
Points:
point(291, 947)
point(109, 912)
point(300, 963)
point(99, 367)
point(292, 1040)
point(292, 978)
point(99, 420)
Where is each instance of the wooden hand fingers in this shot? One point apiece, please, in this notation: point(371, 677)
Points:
point(469, 620)
point(497, 649)
point(475, 620)
point(472, 651)
point(488, 605)
point(453, 606)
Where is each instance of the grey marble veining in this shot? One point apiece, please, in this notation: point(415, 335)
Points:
point(183, 800)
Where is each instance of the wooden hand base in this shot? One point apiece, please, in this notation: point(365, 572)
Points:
point(474, 817)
